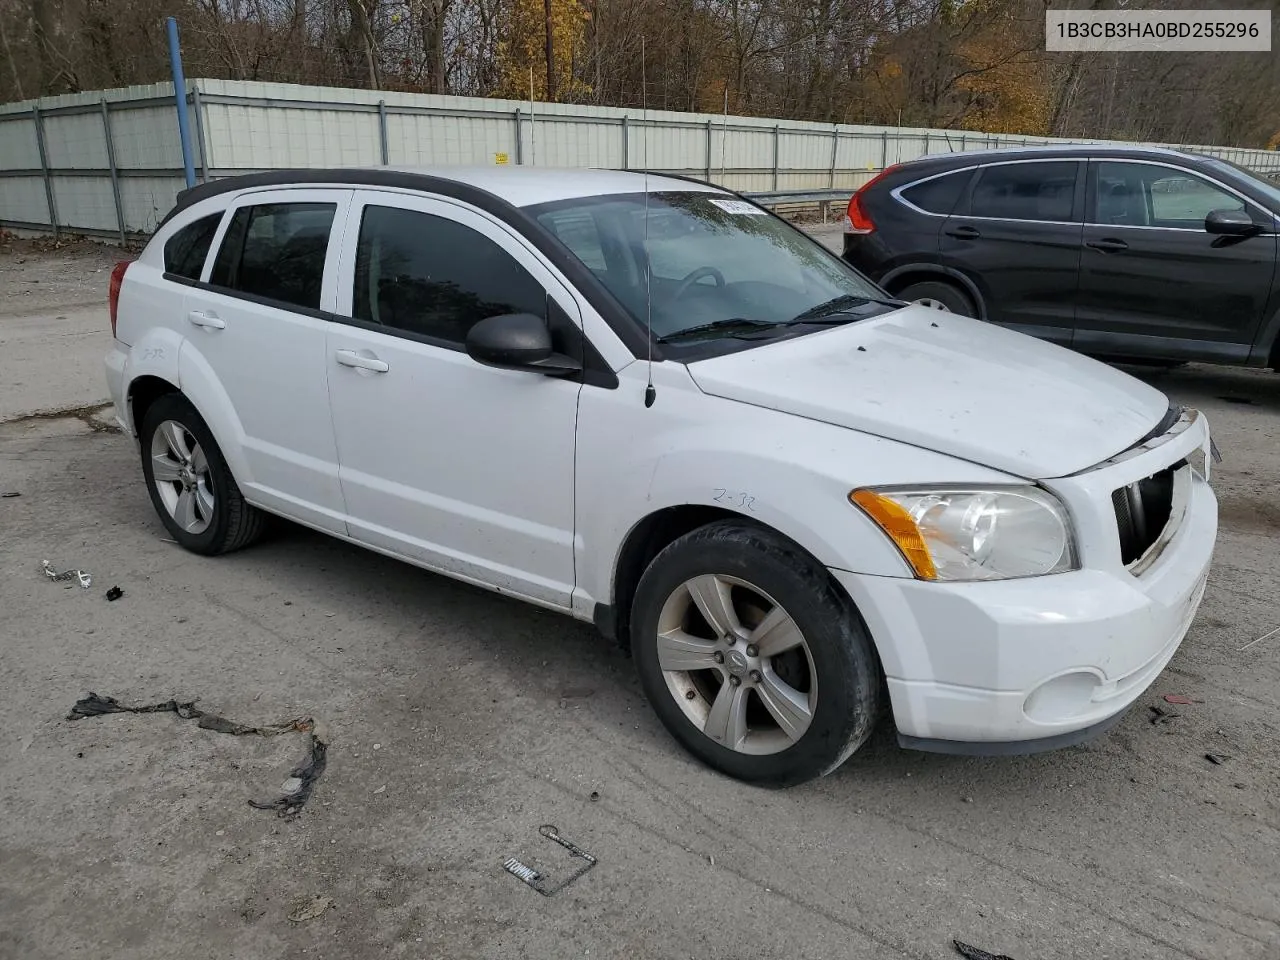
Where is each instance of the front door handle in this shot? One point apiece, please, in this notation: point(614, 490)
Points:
point(1107, 245)
point(965, 232)
point(349, 358)
point(209, 321)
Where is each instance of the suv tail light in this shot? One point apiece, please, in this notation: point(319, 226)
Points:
point(856, 219)
point(113, 291)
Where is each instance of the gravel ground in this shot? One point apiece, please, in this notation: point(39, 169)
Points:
point(459, 722)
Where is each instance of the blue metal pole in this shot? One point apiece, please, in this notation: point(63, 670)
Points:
point(180, 97)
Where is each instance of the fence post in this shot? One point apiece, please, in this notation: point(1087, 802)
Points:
point(44, 169)
point(519, 135)
point(626, 144)
point(382, 131)
point(204, 153)
point(708, 151)
point(111, 163)
point(835, 146)
point(775, 158)
point(884, 149)
point(963, 145)
point(180, 101)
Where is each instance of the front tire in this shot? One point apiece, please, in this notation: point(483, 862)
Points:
point(752, 657)
point(190, 484)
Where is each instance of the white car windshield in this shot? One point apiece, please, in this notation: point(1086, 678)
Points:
point(720, 266)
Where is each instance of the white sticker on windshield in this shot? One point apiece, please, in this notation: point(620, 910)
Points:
point(739, 206)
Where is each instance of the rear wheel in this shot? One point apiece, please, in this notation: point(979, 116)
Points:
point(939, 293)
point(751, 656)
point(190, 483)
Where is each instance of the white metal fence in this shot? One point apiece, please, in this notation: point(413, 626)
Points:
point(110, 163)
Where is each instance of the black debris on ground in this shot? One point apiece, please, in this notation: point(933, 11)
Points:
point(974, 953)
point(289, 804)
point(115, 593)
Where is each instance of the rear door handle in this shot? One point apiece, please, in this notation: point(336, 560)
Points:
point(1107, 245)
point(964, 233)
point(207, 320)
point(349, 358)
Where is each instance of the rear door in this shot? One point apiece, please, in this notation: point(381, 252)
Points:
point(1016, 235)
point(254, 327)
point(1153, 281)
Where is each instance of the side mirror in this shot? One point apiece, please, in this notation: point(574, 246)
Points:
point(1231, 223)
point(517, 341)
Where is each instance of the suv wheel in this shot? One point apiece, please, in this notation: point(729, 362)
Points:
point(751, 656)
point(190, 484)
point(936, 292)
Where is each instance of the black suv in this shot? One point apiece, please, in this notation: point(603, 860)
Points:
point(1122, 253)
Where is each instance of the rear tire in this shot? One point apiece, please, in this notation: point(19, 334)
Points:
point(191, 486)
point(794, 694)
point(940, 291)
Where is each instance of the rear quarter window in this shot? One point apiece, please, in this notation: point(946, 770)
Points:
point(185, 251)
point(939, 195)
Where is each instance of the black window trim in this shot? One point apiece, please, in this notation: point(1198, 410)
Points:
point(1077, 198)
point(1269, 221)
point(580, 278)
point(595, 371)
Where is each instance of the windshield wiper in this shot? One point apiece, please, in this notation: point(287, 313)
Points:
point(729, 323)
point(834, 308)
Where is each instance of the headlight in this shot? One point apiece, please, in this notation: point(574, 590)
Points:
point(968, 534)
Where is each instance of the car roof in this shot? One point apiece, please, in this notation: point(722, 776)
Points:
point(514, 186)
point(1060, 150)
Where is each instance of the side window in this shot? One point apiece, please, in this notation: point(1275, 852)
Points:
point(1184, 200)
point(435, 277)
point(1026, 191)
point(276, 251)
point(938, 195)
point(185, 251)
point(1149, 195)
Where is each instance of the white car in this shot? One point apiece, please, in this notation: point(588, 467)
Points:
point(649, 403)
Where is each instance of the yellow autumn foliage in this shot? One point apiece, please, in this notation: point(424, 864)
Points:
point(523, 47)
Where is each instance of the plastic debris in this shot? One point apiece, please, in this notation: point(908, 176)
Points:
point(536, 879)
point(115, 593)
point(974, 953)
point(85, 579)
point(1179, 699)
point(310, 909)
point(9, 493)
point(1160, 715)
point(1217, 759)
point(1265, 636)
point(291, 802)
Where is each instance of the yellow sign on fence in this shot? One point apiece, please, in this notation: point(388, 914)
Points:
point(499, 158)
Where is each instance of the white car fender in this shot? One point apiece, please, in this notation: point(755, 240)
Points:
point(155, 354)
point(206, 393)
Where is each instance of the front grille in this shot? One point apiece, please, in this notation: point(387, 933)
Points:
point(1143, 510)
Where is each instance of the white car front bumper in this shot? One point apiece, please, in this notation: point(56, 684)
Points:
point(1017, 666)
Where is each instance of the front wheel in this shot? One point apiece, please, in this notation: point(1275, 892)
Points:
point(751, 656)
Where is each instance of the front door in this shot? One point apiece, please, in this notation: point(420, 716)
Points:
point(465, 468)
point(1016, 235)
point(1153, 281)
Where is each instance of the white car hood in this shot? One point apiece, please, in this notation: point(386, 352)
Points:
point(947, 383)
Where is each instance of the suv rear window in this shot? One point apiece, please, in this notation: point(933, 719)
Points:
point(938, 195)
point(276, 251)
point(1026, 191)
point(185, 252)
